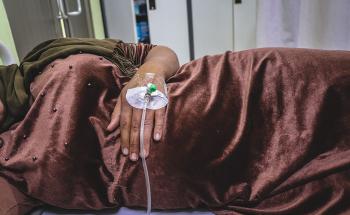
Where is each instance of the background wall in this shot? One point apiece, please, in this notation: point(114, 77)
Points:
point(168, 26)
point(245, 25)
point(212, 27)
point(120, 20)
point(5, 32)
point(97, 21)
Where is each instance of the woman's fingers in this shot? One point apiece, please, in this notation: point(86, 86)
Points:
point(135, 134)
point(129, 119)
point(125, 125)
point(158, 127)
point(148, 129)
point(115, 116)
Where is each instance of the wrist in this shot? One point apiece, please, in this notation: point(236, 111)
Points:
point(150, 67)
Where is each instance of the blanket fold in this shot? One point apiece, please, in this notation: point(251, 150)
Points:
point(262, 131)
point(15, 80)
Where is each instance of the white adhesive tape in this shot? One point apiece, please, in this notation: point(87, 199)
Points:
point(136, 98)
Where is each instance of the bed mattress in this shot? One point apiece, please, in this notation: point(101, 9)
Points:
point(121, 211)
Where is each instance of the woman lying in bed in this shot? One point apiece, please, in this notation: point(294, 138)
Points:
point(264, 131)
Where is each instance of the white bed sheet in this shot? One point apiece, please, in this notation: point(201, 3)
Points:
point(121, 211)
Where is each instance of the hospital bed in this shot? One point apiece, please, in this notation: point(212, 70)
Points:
point(121, 211)
point(7, 59)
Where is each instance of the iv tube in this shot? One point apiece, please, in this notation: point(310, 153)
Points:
point(146, 96)
point(143, 157)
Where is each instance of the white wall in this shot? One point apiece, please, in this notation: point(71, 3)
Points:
point(212, 26)
point(6, 33)
point(218, 25)
point(168, 26)
point(120, 20)
point(245, 25)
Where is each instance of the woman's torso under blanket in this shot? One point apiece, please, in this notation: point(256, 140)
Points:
point(237, 125)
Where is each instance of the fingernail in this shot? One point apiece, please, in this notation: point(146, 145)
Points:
point(133, 157)
point(157, 136)
point(125, 151)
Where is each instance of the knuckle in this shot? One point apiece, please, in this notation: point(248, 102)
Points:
point(133, 145)
point(124, 123)
point(159, 123)
point(135, 128)
point(148, 122)
point(135, 125)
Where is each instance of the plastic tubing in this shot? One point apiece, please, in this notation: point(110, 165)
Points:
point(143, 157)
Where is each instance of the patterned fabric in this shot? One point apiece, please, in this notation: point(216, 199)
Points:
point(130, 56)
point(15, 80)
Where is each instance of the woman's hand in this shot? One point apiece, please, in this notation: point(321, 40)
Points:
point(129, 118)
point(163, 62)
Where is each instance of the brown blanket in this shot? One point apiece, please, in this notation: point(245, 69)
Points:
point(263, 131)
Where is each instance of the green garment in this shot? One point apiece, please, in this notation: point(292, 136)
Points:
point(15, 80)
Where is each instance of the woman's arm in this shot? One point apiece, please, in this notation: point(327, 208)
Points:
point(160, 60)
point(164, 63)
